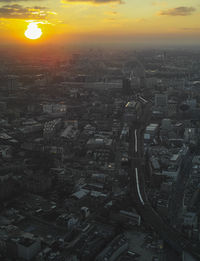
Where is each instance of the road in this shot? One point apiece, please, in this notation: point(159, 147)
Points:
point(138, 195)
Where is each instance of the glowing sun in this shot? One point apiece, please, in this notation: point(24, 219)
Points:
point(33, 32)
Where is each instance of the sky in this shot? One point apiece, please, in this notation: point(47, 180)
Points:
point(102, 21)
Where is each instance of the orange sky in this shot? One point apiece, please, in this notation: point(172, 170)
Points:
point(68, 21)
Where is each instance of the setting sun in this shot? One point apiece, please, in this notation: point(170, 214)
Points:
point(33, 32)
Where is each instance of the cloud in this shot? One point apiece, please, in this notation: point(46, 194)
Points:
point(178, 11)
point(97, 2)
point(16, 11)
point(191, 28)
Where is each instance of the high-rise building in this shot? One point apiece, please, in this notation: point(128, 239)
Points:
point(172, 108)
point(161, 100)
point(126, 86)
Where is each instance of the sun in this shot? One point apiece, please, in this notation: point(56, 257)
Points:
point(33, 32)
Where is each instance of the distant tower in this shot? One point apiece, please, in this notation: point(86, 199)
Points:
point(165, 55)
point(161, 100)
point(10, 85)
point(126, 86)
point(12, 82)
point(142, 82)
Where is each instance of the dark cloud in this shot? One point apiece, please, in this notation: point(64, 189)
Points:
point(94, 1)
point(17, 11)
point(178, 11)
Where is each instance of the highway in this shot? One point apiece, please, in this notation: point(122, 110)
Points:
point(138, 195)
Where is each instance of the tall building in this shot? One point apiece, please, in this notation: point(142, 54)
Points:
point(172, 108)
point(142, 82)
point(24, 247)
point(161, 100)
point(12, 83)
point(126, 86)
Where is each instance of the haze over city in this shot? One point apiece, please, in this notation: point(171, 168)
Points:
point(99, 130)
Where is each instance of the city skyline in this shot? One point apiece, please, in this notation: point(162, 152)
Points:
point(99, 130)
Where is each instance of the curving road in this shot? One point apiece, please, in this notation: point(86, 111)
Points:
point(174, 238)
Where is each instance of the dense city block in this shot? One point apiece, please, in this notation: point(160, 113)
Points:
point(100, 155)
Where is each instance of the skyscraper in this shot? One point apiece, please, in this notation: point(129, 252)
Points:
point(126, 86)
